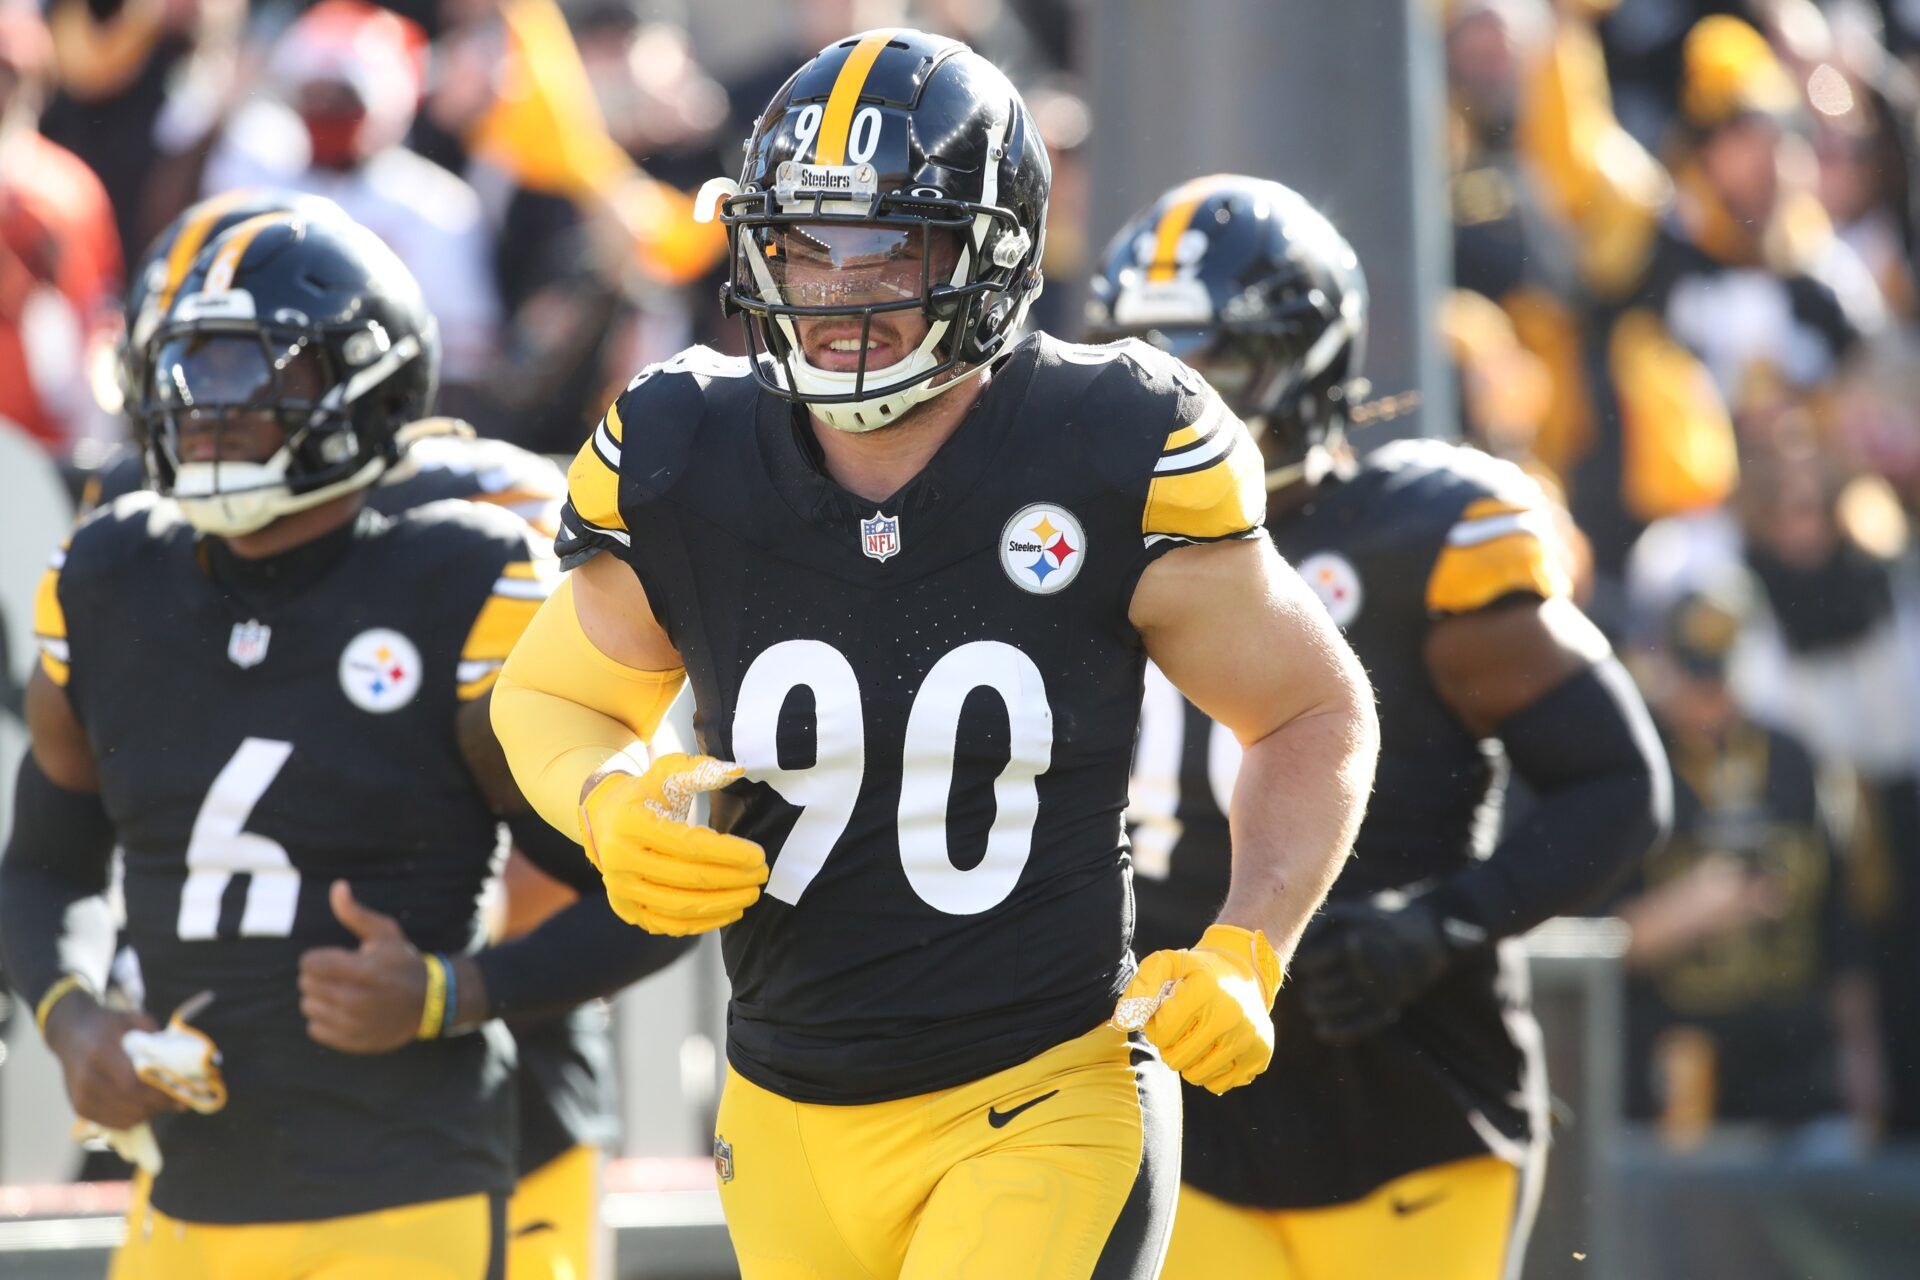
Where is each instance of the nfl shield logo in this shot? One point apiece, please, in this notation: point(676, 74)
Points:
point(722, 1158)
point(247, 646)
point(880, 536)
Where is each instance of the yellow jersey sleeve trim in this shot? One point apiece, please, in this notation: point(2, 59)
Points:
point(50, 623)
point(523, 586)
point(1208, 484)
point(1496, 549)
point(593, 481)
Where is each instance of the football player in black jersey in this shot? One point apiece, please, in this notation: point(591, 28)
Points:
point(565, 1088)
point(276, 699)
point(1398, 1132)
point(913, 567)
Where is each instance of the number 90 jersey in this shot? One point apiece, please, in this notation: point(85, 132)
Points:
point(934, 696)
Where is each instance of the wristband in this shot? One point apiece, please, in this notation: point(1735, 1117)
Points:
point(452, 1001)
point(433, 1012)
point(66, 986)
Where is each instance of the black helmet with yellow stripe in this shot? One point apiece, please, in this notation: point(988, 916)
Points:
point(156, 279)
point(1246, 281)
point(896, 173)
point(299, 348)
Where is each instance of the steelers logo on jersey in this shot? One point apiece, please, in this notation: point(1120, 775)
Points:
point(1042, 548)
point(1337, 583)
point(380, 670)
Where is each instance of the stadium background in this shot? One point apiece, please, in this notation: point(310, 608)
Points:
point(1504, 168)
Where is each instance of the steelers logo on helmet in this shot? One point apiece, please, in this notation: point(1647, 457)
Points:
point(380, 670)
point(1042, 548)
point(1337, 583)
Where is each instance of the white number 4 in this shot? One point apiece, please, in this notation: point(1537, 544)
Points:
point(220, 849)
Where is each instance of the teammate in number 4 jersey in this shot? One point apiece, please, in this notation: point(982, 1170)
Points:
point(1399, 1130)
point(913, 569)
point(276, 699)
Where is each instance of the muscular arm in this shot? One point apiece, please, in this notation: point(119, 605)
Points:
point(1242, 637)
point(1540, 677)
point(584, 689)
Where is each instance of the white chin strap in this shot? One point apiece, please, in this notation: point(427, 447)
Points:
point(230, 499)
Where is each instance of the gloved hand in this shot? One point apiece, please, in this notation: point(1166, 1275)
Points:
point(1361, 963)
point(1208, 1008)
point(662, 872)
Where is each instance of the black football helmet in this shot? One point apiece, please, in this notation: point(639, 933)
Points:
point(895, 172)
point(1256, 288)
point(157, 277)
point(312, 321)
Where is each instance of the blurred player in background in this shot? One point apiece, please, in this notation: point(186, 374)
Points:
point(1400, 1129)
point(913, 566)
point(567, 1104)
point(275, 699)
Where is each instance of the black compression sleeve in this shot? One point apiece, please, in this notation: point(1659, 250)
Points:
point(54, 918)
point(1603, 799)
point(579, 953)
point(560, 856)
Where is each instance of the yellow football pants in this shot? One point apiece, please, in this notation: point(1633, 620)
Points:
point(1451, 1222)
point(1061, 1168)
point(439, 1240)
point(553, 1220)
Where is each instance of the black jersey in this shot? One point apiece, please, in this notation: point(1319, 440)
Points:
point(934, 696)
point(1421, 530)
point(442, 459)
point(253, 746)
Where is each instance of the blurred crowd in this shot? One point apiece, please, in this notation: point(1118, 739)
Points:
point(1685, 299)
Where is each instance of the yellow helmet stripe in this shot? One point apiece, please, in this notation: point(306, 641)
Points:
point(1175, 221)
point(838, 118)
point(193, 238)
point(238, 240)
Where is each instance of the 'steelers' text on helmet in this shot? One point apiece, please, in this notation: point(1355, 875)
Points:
point(1248, 280)
point(271, 298)
point(929, 150)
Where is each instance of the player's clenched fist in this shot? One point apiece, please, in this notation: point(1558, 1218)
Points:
point(662, 872)
point(1209, 1008)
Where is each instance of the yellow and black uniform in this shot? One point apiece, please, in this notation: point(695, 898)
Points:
point(934, 699)
point(565, 1094)
point(1310, 1158)
point(320, 683)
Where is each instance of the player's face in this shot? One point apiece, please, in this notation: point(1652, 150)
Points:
point(859, 265)
point(223, 392)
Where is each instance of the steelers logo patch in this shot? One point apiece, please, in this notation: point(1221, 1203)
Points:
point(1334, 579)
point(1042, 548)
point(380, 670)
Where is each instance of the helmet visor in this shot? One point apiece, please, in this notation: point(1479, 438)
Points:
point(841, 265)
point(236, 371)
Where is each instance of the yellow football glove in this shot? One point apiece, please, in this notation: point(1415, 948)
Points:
point(1209, 1009)
point(662, 872)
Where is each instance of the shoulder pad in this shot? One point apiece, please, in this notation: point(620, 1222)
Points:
point(1155, 428)
point(657, 418)
point(121, 529)
point(460, 525)
point(1501, 535)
